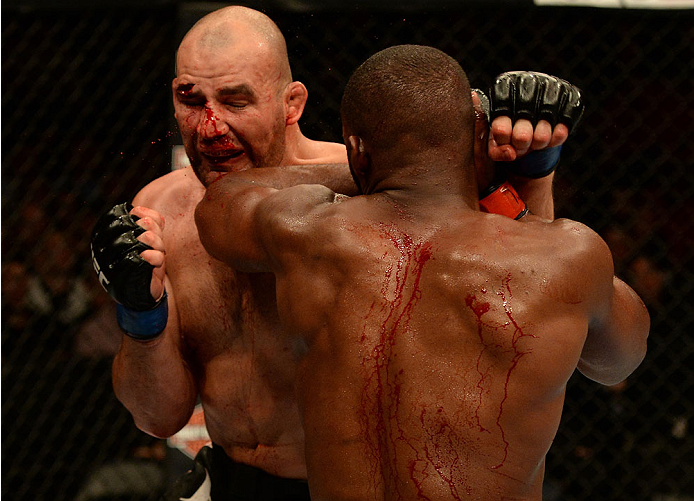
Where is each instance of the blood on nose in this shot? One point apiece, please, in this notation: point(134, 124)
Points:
point(211, 125)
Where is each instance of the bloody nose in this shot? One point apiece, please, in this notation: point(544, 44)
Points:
point(212, 126)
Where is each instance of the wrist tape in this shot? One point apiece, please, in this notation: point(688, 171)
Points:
point(144, 325)
point(503, 199)
point(536, 164)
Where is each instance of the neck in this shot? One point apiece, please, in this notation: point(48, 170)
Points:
point(293, 143)
point(426, 178)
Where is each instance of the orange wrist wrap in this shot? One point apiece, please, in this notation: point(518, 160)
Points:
point(504, 200)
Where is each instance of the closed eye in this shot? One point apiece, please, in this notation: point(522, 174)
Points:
point(237, 96)
point(186, 95)
point(192, 101)
point(236, 104)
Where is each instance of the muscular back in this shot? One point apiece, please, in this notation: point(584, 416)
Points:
point(229, 339)
point(437, 354)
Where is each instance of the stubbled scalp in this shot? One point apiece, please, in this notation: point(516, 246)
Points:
point(217, 37)
point(409, 90)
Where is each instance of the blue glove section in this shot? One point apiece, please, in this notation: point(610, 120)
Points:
point(144, 325)
point(536, 164)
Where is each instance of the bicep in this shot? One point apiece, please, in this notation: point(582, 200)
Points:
point(229, 227)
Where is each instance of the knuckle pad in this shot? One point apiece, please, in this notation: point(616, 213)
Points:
point(502, 95)
point(530, 95)
point(526, 102)
point(550, 100)
point(536, 96)
point(572, 107)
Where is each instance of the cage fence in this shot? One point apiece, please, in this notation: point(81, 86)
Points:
point(87, 121)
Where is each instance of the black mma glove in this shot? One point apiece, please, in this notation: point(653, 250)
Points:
point(536, 96)
point(125, 275)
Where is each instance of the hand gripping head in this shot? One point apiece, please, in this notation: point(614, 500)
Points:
point(536, 96)
point(117, 261)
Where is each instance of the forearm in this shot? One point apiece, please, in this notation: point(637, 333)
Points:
point(150, 376)
point(153, 382)
point(536, 193)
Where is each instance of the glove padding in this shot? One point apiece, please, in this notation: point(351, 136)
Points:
point(117, 261)
point(536, 96)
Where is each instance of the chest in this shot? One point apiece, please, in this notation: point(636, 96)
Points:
point(218, 307)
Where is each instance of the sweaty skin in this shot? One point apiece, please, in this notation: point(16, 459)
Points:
point(437, 354)
point(237, 109)
point(435, 341)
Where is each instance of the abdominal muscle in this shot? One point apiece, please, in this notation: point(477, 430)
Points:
point(254, 420)
point(242, 364)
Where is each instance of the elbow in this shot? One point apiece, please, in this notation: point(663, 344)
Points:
point(641, 330)
point(155, 414)
point(607, 370)
point(157, 427)
point(606, 376)
point(612, 354)
point(644, 331)
point(159, 423)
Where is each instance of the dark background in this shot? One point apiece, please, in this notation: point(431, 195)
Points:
point(87, 121)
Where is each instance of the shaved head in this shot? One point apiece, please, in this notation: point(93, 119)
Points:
point(236, 26)
point(409, 90)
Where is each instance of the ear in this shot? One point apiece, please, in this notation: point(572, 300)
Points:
point(294, 101)
point(359, 160)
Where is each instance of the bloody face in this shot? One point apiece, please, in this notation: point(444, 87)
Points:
point(230, 109)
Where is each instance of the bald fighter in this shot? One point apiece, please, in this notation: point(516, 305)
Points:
point(198, 330)
point(208, 332)
point(434, 341)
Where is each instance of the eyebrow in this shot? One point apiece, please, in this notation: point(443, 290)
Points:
point(242, 89)
point(189, 89)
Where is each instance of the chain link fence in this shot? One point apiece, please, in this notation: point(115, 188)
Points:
point(87, 121)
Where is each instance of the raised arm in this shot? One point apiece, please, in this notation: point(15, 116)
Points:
point(150, 376)
point(335, 176)
point(532, 114)
point(618, 326)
